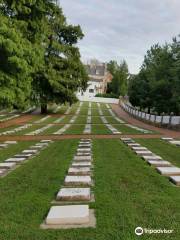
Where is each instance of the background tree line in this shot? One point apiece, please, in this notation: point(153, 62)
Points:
point(39, 60)
point(157, 86)
point(119, 84)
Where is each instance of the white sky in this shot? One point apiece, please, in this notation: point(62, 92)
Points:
point(122, 29)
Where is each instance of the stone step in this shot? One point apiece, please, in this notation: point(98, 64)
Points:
point(7, 165)
point(79, 171)
point(78, 181)
point(82, 158)
point(72, 214)
point(160, 163)
point(81, 164)
point(169, 171)
point(74, 194)
point(175, 180)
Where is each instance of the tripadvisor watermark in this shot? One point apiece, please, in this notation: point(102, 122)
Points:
point(140, 231)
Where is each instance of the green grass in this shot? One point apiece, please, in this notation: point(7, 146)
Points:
point(30, 129)
point(8, 128)
point(52, 129)
point(112, 120)
point(75, 129)
point(126, 130)
point(81, 119)
point(106, 112)
point(13, 149)
point(100, 129)
point(166, 150)
point(128, 193)
point(96, 120)
point(94, 112)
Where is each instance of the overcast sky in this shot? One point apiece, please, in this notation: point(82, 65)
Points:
point(123, 29)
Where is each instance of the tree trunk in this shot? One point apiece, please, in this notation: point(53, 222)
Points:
point(43, 108)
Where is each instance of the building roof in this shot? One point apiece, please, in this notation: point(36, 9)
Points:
point(96, 69)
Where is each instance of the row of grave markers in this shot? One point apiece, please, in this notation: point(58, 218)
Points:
point(12, 163)
point(7, 144)
point(104, 120)
point(87, 129)
point(71, 207)
point(172, 141)
point(9, 118)
point(165, 168)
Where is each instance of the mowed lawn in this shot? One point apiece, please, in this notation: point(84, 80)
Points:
point(128, 193)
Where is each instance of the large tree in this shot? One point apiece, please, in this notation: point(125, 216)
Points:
point(120, 75)
point(158, 83)
point(47, 38)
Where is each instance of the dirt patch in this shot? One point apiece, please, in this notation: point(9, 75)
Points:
point(61, 137)
point(19, 120)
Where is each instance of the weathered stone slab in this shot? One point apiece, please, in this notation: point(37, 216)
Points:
point(46, 141)
point(10, 142)
point(139, 148)
point(36, 147)
point(82, 158)
point(16, 160)
point(175, 179)
point(83, 154)
point(42, 144)
point(152, 158)
point(2, 171)
point(74, 194)
point(81, 164)
point(3, 145)
point(84, 142)
point(72, 214)
point(133, 144)
point(83, 149)
point(7, 165)
point(77, 180)
point(160, 163)
point(30, 151)
point(169, 171)
point(167, 138)
point(79, 171)
point(126, 139)
point(143, 153)
point(175, 142)
point(84, 145)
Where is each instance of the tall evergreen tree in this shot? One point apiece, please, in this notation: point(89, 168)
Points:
point(47, 38)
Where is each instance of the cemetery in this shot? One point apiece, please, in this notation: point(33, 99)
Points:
point(89, 120)
point(85, 183)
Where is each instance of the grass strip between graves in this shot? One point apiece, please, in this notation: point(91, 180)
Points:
point(128, 193)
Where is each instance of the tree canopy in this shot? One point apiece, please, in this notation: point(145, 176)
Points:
point(40, 61)
point(120, 74)
point(157, 86)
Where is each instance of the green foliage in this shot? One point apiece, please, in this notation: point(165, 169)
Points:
point(39, 59)
point(16, 66)
point(119, 83)
point(157, 86)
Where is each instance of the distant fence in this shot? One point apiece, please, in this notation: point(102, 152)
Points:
point(164, 120)
point(98, 99)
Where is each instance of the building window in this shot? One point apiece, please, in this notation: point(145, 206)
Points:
point(91, 90)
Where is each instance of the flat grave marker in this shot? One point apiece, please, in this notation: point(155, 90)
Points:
point(77, 180)
point(7, 165)
point(72, 214)
point(79, 171)
point(169, 171)
point(175, 179)
point(74, 194)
